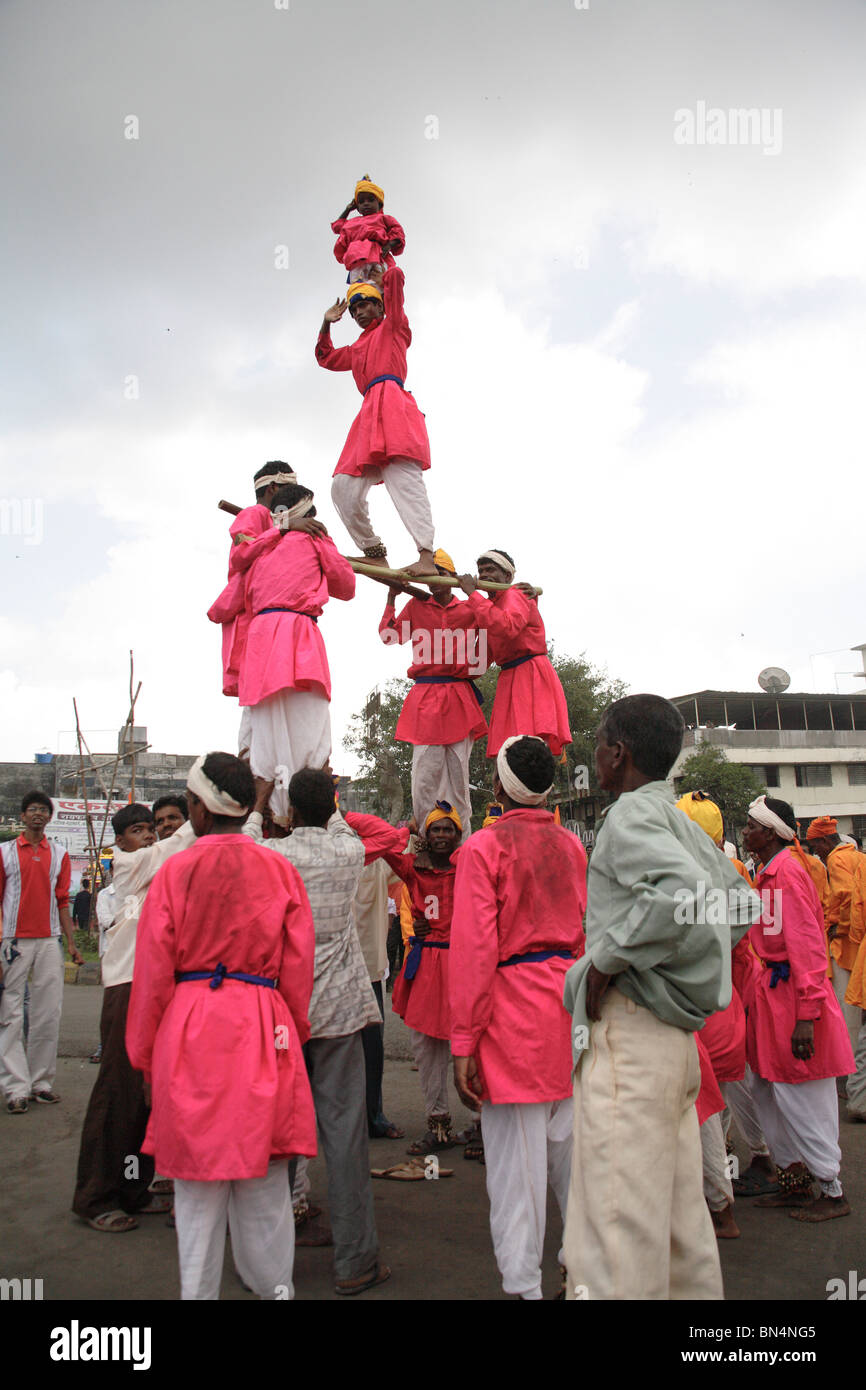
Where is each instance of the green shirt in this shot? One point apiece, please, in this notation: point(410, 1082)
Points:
point(665, 907)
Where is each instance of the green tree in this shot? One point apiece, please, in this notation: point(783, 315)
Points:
point(731, 785)
point(386, 767)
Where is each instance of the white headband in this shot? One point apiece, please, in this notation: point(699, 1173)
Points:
point(279, 478)
point(498, 559)
point(218, 802)
point(285, 514)
point(511, 784)
point(760, 811)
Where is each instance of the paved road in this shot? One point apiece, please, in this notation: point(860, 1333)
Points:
point(435, 1235)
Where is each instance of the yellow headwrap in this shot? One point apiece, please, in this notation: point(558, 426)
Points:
point(494, 815)
point(444, 561)
point(365, 185)
point(704, 812)
point(362, 290)
point(438, 814)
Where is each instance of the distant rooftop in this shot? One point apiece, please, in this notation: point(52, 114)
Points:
point(743, 709)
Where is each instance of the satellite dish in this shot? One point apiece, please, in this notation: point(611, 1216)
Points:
point(774, 680)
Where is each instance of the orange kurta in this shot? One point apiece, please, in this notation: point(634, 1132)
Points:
point(845, 874)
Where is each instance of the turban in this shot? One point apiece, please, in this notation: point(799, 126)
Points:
point(759, 811)
point(279, 478)
point(218, 802)
point(704, 812)
point(511, 783)
point(821, 825)
point(362, 289)
point(444, 561)
point(440, 813)
point(494, 815)
point(366, 185)
point(498, 559)
point(282, 515)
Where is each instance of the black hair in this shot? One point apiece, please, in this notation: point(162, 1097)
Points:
point(783, 811)
point(36, 798)
point(364, 299)
point(531, 761)
point(232, 776)
point(311, 791)
point(504, 554)
point(650, 727)
point(172, 799)
point(136, 814)
point(289, 495)
point(267, 470)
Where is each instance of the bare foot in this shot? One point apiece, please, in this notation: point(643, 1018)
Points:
point(823, 1208)
point(425, 564)
point(724, 1224)
point(380, 561)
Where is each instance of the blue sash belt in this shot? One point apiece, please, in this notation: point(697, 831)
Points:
point(519, 660)
point(385, 377)
point(451, 680)
point(413, 960)
point(286, 610)
point(779, 970)
point(217, 976)
point(535, 955)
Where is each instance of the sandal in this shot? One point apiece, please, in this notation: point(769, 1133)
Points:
point(368, 1281)
point(113, 1222)
point(409, 1172)
point(754, 1182)
point(389, 1132)
point(157, 1206)
point(162, 1187)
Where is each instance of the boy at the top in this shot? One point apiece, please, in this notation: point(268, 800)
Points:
point(387, 441)
point(373, 238)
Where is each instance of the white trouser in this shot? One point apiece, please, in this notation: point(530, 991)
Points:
point(717, 1182)
point(525, 1146)
point(741, 1106)
point(244, 732)
point(850, 1012)
point(432, 1056)
point(638, 1226)
point(857, 1083)
point(288, 731)
point(440, 772)
point(404, 483)
point(20, 1072)
point(801, 1122)
point(259, 1213)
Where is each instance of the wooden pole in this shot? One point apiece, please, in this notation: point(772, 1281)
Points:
point(131, 734)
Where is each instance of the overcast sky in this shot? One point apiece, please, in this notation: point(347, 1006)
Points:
point(641, 360)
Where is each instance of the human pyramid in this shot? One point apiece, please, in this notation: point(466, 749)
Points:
point(244, 964)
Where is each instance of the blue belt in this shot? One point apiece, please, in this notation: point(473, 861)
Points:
point(287, 610)
point(535, 955)
point(519, 660)
point(217, 976)
point(413, 960)
point(451, 680)
point(385, 377)
point(779, 970)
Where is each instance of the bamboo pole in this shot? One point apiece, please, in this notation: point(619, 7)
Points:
point(132, 733)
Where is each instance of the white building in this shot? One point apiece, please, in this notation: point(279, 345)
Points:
point(808, 750)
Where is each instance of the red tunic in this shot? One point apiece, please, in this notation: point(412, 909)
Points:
point(791, 929)
point(286, 651)
point(709, 1101)
point(230, 1088)
point(389, 424)
point(529, 698)
point(519, 889)
point(359, 239)
point(230, 608)
point(443, 644)
point(422, 1002)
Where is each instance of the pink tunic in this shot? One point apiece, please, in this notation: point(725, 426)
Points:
point(520, 889)
point(389, 424)
point(230, 608)
point(422, 1002)
point(230, 1088)
point(359, 239)
point(791, 929)
point(529, 697)
point(442, 645)
point(285, 650)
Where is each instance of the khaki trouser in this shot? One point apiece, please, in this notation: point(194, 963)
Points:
point(637, 1225)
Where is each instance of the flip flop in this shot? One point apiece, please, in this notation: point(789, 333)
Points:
point(162, 1187)
point(353, 1286)
point(157, 1206)
point(400, 1172)
point(113, 1222)
point(754, 1182)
